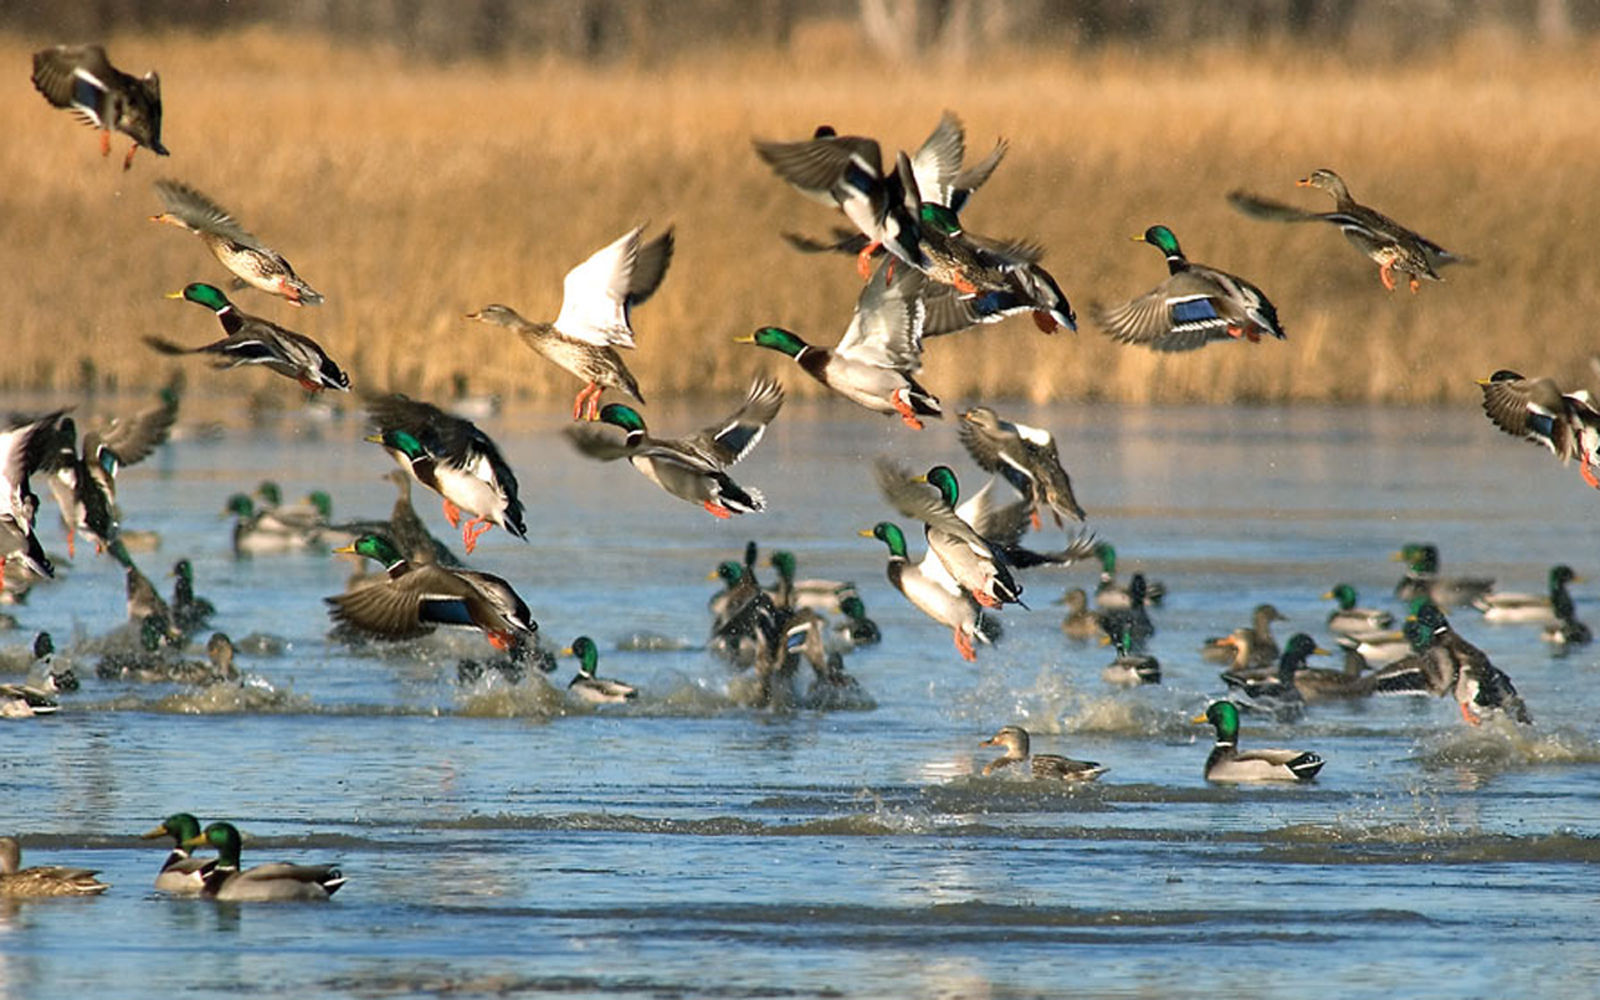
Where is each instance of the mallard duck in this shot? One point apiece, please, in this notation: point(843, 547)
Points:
point(1422, 579)
point(261, 532)
point(827, 596)
point(1228, 764)
point(1391, 245)
point(597, 298)
point(931, 590)
point(1134, 619)
point(252, 340)
point(587, 687)
point(1026, 457)
point(275, 882)
point(1532, 609)
point(1478, 685)
point(856, 629)
point(252, 261)
point(1317, 684)
point(81, 79)
point(1193, 307)
point(455, 459)
point(414, 599)
point(740, 611)
point(24, 701)
point(1050, 767)
point(1278, 694)
point(1130, 668)
point(875, 363)
point(1080, 622)
point(189, 613)
point(17, 882)
point(1250, 650)
point(43, 672)
point(690, 468)
point(1567, 423)
point(145, 602)
point(1348, 619)
point(23, 446)
point(846, 171)
point(409, 534)
point(1109, 595)
point(153, 666)
point(977, 565)
point(181, 874)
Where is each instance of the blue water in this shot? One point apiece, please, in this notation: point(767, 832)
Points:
point(501, 842)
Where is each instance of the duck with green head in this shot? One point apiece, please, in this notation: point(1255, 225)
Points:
point(1109, 595)
point(1349, 619)
point(251, 261)
point(1422, 579)
point(455, 459)
point(586, 686)
point(826, 596)
point(1195, 306)
point(1228, 764)
point(931, 590)
point(874, 365)
point(81, 79)
point(251, 340)
point(1132, 667)
point(978, 565)
point(414, 599)
point(691, 468)
point(1277, 694)
point(189, 613)
point(181, 874)
point(278, 881)
point(1533, 609)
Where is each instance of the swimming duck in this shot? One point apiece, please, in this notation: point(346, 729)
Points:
point(979, 566)
point(931, 590)
point(152, 666)
point(1567, 630)
point(587, 687)
point(1422, 579)
point(1278, 694)
point(1228, 764)
point(1567, 423)
point(274, 882)
point(1251, 650)
point(181, 874)
point(252, 340)
point(741, 613)
point(1026, 457)
point(1130, 668)
point(690, 468)
point(252, 261)
point(1392, 246)
point(1080, 622)
point(875, 363)
point(1319, 684)
point(455, 459)
point(260, 532)
point(1348, 619)
point(1109, 595)
point(1193, 307)
point(1050, 767)
point(81, 79)
point(17, 882)
point(856, 629)
point(414, 599)
point(827, 596)
point(1533, 609)
point(597, 298)
point(189, 613)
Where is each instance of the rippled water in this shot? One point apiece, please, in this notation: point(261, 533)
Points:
point(501, 842)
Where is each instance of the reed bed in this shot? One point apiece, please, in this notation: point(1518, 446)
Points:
point(411, 193)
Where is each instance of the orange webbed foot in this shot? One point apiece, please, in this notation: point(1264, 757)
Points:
point(499, 640)
point(1387, 275)
point(1033, 516)
point(1466, 714)
point(1415, 284)
point(985, 599)
point(105, 143)
point(452, 513)
point(472, 531)
point(72, 545)
point(864, 260)
point(907, 414)
point(127, 161)
point(964, 646)
point(717, 511)
point(1587, 471)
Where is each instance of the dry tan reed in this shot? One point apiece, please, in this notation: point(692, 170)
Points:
point(412, 193)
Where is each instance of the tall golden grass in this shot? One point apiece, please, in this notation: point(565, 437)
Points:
point(412, 193)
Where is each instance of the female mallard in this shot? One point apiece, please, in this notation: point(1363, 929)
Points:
point(972, 560)
point(1392, 246)
point(875, 362)
point(1023, 456)
point(1567, 423)
point(1045, 766)
point(414, 599)
point(453, 458)
point(17, 882)
point(275, 882)
point(690, 468)
point(597, 298)
point(81, 79)
point(1131, 668)
point(1228, 764)
point(1193, 307)
point(252, 340)
point(1532, 609)
point(181, 874)
point(931, 590)
point(1348, 619)
point(585, 686)
point(1252, 650)
point(253, 262)
point(1080, 622)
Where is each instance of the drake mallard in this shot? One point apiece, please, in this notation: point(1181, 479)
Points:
point(1391, 245)
point(1026, 457)
point(1045, 766)
point(261, 532)
point(1228, 764)
point(274, 882)
point(252, 340)
point(252, 261)
point(587, 687)
point(1567, 423)
point(414, 599)
point(1134, 620)
point(826, 596)
point(856, 629)
point(1532, 609)
point(1422, 579)
point(875, 363)
point(17, 882)
point(189, 613)
point(931, 590)
point(1193, 307)
point(453, 458)
point(973, 561)
point(1131, 668)
point(1350, 620)
point(1478, 685)
point(181, 874)
point(1567, 630)
point(81, 79)
point(1109, 595)
point(690, 468)
point(740, 612)
point(1277, 694)
point(597, 300)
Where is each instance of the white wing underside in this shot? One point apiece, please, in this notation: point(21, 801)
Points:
point(594, 295)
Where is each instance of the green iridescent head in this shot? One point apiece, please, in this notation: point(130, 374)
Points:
point(239, 505)
point(1224, 715)
point(587, 652)
point(374, 547)
point(889, 534)
point(199, 292)
point(783, 562)
point(1162, 239)
point(942, 479)
point(730, 572)
point(179, 826)
point(222, 836)
point(622, 415)
point(401, 441)
point(940, 219)
point(853, 608)
point(322, 502)
point(184, 571)
point(270, 493)
point(1107, 554)
point(1345, 595)
point(776, 338)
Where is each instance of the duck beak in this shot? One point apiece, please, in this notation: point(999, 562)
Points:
point(1328, 596)
point(348, 550)
point(160, 831)
point(1319, 651)
point(990, 742)
point(174, 295)
point(198, 840)
point(1303, 182)
point(865, 532)
point(566, 650)
point(748, 338)
point(1199, 719)
point(1397, 557)
point(1105, 640)
point(374, 438)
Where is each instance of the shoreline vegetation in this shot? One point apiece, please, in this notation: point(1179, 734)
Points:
point(411, 192)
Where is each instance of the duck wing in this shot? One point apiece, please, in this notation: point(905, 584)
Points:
point(886, 329)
